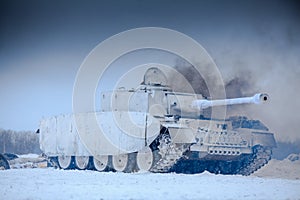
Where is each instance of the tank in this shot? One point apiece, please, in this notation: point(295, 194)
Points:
point(3, 162)
point(152, 128)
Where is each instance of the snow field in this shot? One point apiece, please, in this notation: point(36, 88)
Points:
point(50, 183)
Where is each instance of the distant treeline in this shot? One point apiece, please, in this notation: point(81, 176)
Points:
point(19, 142)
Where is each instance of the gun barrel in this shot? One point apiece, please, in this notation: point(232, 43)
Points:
point(256, 99)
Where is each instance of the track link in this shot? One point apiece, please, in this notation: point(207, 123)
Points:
point(261, 156)
point(169, 153)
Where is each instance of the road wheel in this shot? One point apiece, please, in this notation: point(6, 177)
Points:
point(65, 162)
point(82, 162)
point(124, 162)
point(100, 163)
point(144, 159)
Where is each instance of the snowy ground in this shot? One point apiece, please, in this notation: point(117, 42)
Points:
point(49, 183)
point(280, 169)
point(277, 180)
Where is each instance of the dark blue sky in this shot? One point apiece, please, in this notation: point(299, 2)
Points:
point(43, 43)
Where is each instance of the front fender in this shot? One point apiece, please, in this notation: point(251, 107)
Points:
point(182, 135)
point(265, 139)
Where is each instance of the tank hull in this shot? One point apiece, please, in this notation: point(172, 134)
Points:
point(180, 145)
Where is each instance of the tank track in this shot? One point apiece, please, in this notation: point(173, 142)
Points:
point(169, 153)
point(245, 166)
point(260, 157)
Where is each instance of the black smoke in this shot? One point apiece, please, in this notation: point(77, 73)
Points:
point(241, 85)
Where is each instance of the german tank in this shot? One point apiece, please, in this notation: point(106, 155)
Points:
point(155, 129)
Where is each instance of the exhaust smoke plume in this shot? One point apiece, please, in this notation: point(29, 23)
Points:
point(277, 76)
